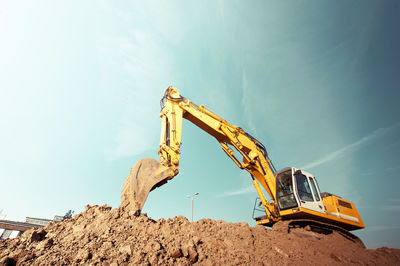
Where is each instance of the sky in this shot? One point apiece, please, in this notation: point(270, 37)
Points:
point(316, 81)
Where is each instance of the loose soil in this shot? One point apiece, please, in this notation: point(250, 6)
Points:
point(104, 236)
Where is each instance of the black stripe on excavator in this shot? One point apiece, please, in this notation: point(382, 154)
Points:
point(262, 168)
point(233, 158)
point(263, 151)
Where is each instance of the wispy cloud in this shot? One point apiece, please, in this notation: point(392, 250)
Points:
point(392, 168)
point(143, 61)
point(365, 207)
point(383, 227)
point(246, 103)
point(378, 133)
point(392, 208)
point(367, 173)
point(394, 205)
point(241, 191)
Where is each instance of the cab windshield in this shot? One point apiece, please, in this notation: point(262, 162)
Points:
point(303, 188)
point(284, 190)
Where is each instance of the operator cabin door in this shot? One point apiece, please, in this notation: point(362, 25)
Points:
point(307, 192)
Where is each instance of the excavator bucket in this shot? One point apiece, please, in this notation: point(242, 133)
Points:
point(145, 175)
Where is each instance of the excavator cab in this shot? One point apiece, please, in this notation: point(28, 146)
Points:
point(296, 188)
point(298, 197)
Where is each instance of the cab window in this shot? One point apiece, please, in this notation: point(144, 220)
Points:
point(314, 189)
point(284, 191)
point(303, 188)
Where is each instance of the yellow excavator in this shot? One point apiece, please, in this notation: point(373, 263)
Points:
point(295, 198)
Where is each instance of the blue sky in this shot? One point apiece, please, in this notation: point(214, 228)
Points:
point(315, 81)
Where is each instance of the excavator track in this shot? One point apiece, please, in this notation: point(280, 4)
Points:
point(317, 227)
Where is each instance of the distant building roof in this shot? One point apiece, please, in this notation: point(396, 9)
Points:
point(12, 229)
point(37, 221)
point(20, 226)
point(58, 218)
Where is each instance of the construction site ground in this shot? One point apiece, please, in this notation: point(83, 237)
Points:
point(104, 236)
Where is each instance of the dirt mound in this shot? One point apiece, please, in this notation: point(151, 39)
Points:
point(101, 236)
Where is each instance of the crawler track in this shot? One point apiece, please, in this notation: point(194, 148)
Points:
point(318, 227)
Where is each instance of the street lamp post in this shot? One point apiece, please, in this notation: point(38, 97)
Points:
point(192, 197)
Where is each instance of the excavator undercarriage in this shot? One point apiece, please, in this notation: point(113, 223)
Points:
point(315, 226)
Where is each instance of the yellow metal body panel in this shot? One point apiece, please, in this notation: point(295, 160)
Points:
point(342, 208)
point(303, 213)
point(265, 222)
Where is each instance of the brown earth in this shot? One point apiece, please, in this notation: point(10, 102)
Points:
point(102, 236)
